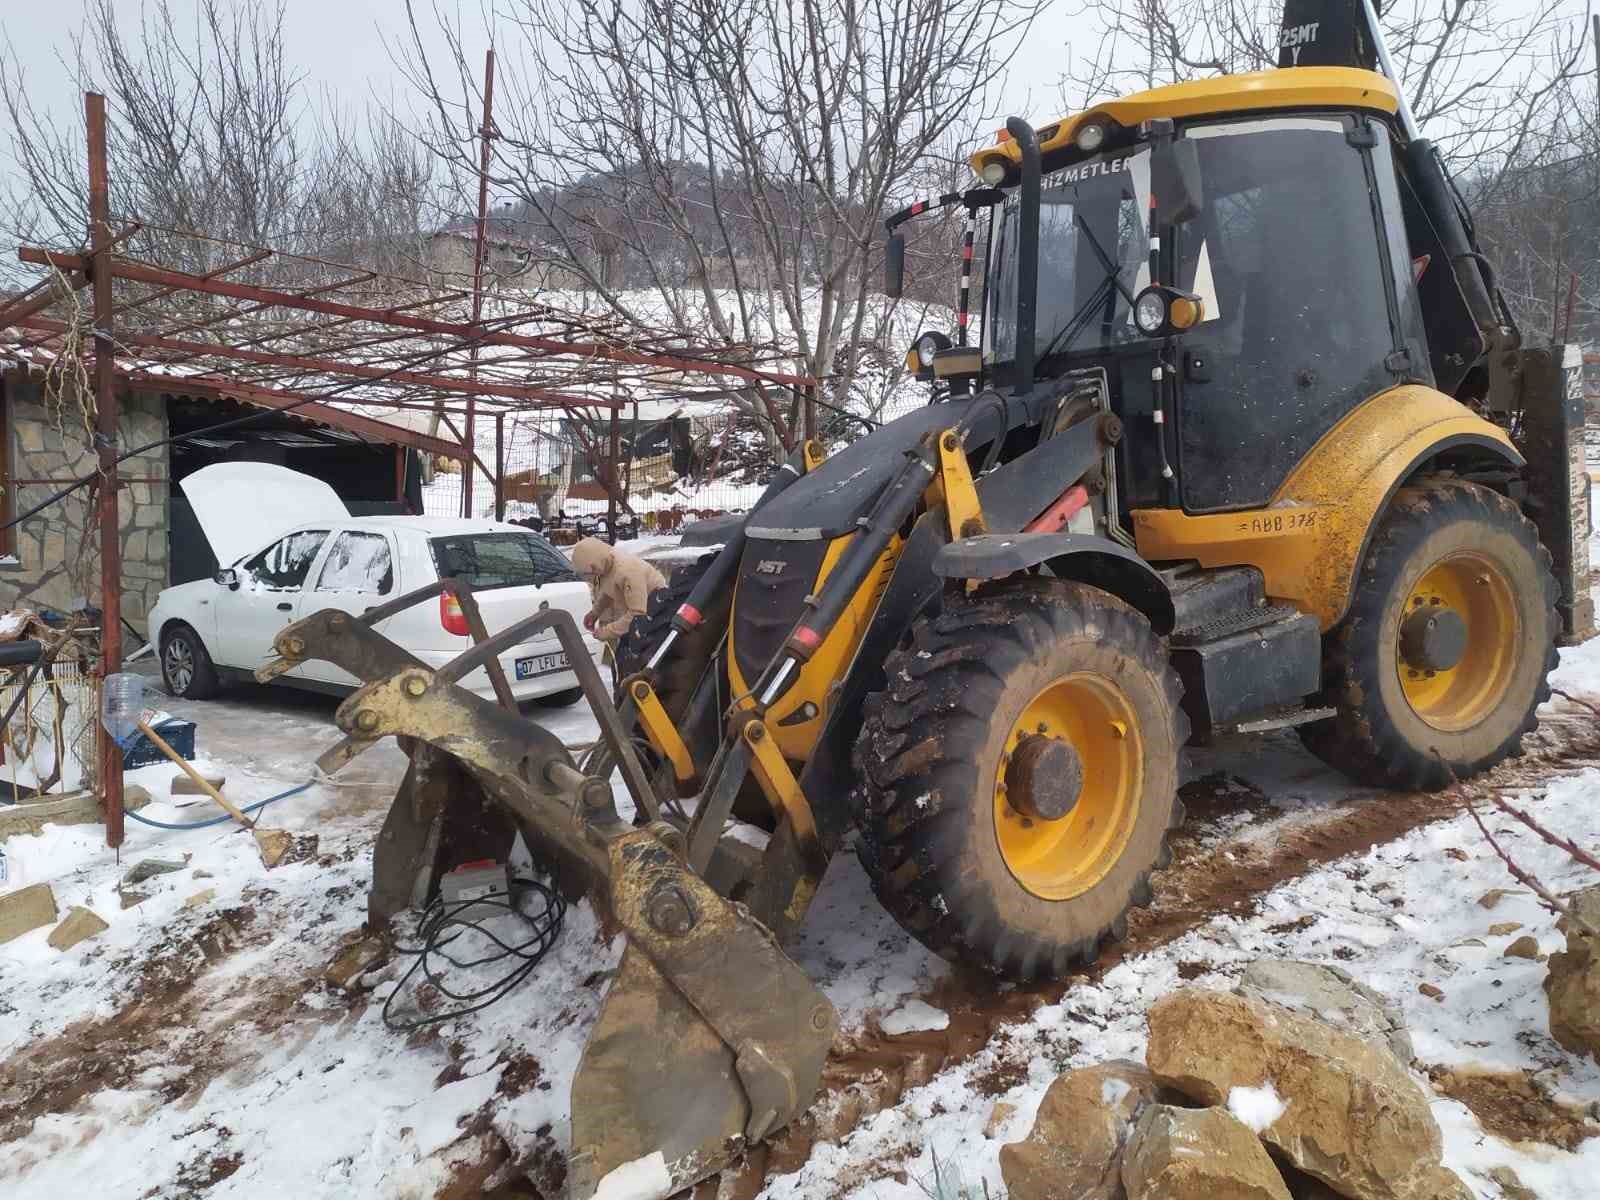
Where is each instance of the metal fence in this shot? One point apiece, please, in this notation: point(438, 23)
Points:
point(50, 744)
point(668, 470)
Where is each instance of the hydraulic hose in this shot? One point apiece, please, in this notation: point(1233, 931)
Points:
point(224, 820)
point(719, 575)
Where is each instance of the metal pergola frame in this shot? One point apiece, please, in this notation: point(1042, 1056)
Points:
point(282, 331)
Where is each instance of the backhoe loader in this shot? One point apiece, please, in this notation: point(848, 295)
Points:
point(1245, 439)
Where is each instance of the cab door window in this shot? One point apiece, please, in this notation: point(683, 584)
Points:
point(1297, 330)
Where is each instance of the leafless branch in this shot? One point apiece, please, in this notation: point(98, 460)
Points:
point(1546, 897)
point(727, 163)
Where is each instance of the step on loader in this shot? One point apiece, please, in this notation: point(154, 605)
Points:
point(1249, 441)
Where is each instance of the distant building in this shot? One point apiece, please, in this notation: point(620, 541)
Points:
point(515, 258)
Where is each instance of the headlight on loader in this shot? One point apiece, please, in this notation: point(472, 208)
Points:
point(1160, 311)
point(1150, 311)
point(919, 359)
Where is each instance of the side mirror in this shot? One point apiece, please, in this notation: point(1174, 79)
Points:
point(894, 266)
point(1175, 179)
point(228, 578)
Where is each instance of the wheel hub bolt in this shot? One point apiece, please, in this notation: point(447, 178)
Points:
point(1433, 639)
point(1044, 778)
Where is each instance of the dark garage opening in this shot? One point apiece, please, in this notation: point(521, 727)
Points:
point(367, 475)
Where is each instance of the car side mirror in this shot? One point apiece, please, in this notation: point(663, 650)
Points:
point(228, 578)
point(894, 266)
point(1175, 179)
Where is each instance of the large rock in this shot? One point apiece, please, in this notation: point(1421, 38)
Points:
point(1353, 1116)
point(1573, 982)
point(1075, 1146)
point(1196, 1154)
point(1330, 994)
point(80, 925)
point(25, 910)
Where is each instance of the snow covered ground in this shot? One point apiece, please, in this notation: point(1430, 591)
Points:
point(194, 1047)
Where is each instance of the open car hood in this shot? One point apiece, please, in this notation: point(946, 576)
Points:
point(242, 506)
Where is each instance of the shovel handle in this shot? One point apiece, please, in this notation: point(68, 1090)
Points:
point(200, 780)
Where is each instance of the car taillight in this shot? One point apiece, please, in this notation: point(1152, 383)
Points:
point(451, 616)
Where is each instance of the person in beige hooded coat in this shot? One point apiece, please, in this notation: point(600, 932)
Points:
point(619, 587)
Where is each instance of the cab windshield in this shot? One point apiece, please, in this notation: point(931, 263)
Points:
point(1094, 257)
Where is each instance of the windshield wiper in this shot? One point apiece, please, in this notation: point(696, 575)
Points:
point(1113, 279)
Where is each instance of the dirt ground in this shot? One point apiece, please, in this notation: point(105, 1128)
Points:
point(194, 1004)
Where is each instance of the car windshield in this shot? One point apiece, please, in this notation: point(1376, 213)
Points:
point(1094, 257)
point(493, 560)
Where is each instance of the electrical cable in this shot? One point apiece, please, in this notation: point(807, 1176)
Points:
point(443, 924)
point(248, 808)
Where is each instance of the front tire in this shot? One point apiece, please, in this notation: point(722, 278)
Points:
point(186, 667)
point(960, 760)
point(1466, 559)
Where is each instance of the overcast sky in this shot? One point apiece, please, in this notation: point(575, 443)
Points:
point(338, 45)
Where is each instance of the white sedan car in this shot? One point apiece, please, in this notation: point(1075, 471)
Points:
point(292, 549)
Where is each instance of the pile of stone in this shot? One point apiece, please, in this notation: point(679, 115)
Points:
point(1573, 984)
point(1294, 1086)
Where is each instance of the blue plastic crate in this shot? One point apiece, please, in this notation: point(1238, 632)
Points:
point(141, 752)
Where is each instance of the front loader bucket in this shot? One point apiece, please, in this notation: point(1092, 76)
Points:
point(710, 1037)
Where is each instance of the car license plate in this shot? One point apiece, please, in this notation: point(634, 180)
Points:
point(541, 664)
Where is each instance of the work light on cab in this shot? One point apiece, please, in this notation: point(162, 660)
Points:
point(1090, 136)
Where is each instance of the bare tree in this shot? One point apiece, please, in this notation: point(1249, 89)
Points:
point(212, 130)
point(1485, 83)
point(718, 167)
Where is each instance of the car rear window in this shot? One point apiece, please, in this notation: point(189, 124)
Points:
point(493, 560)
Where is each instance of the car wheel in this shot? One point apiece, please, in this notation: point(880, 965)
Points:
point(186, 667)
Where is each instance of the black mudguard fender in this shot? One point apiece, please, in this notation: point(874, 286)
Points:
point(1082, 557)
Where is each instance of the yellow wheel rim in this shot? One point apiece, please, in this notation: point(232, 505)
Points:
point(1483, 596)
point(1063, 858)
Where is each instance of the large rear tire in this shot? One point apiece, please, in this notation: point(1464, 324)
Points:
point(1454, 575)
point(961, 764)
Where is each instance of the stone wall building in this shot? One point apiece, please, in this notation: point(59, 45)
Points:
point(52, 560)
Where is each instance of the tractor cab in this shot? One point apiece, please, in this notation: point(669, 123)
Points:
point(1215, 249)
point(1243, 286)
